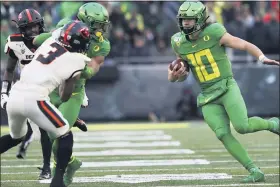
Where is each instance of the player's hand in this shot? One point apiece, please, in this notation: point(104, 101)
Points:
point(271, 62)
point(85, 101)
point(4, 100)
point(175, 75)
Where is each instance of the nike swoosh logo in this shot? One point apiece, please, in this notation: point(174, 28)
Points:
point(194, 45)
point(75, 93)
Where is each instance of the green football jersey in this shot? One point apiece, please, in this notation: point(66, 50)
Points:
point(207, 59)
point(98, 47)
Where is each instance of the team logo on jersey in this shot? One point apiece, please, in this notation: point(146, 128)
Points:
point(206, 38)
point(96, 48)
point(22, 51)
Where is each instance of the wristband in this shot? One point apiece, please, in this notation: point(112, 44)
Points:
point(262, 58)
point(6, 86)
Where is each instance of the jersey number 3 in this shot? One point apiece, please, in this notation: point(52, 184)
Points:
point(200, 69)
point(52, 55)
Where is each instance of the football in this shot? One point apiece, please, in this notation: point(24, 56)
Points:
point(180, 63)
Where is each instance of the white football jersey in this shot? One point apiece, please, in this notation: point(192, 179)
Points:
point(23, 51)
point(50, 67)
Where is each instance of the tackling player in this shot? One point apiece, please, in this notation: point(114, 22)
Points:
point(202, 46)
point(58, 62)
point(20, 49)
point(97, 18)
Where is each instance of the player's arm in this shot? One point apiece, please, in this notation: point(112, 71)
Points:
point(93, 66)
point(173, 75)
point(237, 43)
point(8, 76)
point(38, 40)
point(66, 89)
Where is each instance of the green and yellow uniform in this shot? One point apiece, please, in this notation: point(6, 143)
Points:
point(220, 98)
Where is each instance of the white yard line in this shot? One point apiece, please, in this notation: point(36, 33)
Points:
point(121, 132)
point(129, 163)
point(127, 144)
point(276, 149)
point(148, 170)
point(221, 185)
point(226, 161)
point(122, 138)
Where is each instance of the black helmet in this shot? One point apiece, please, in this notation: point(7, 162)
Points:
point(75, 36)
point(26, 19)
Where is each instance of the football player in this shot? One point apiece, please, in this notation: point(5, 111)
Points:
point(202, 46)
point(20, 50)
point(58, 62)
point(97, 18)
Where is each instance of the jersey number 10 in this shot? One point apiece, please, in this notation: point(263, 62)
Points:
point(52, 55)
point(200, 69)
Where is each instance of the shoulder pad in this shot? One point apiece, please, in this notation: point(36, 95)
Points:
point(12, 42)
point(15, 38)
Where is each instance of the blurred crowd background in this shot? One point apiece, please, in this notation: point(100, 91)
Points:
point(144, 28)
point(140, 34)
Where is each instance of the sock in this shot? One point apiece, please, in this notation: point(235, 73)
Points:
point(237, 151)
point(27, 138)
point(258, 124)
point(46, 148)
point(64, 152)
point(7, 142)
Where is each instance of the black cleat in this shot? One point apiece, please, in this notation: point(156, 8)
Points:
point(45, 173)
point(81, 125)
point(57, 182)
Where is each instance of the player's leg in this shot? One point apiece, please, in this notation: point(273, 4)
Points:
point(237, 111)
point(26, 142)
point(56, 101)
point(49, 118)
point(17, 125)
point(70, 110)
point(46, 145)
point(218, 120)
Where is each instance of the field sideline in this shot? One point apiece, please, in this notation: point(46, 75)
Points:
point(147, 154)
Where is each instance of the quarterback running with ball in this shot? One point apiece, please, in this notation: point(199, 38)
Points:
point(202, 46)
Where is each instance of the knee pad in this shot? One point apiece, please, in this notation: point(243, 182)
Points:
point(221, 132)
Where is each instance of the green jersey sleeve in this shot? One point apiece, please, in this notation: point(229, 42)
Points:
point(38, 40)
point(62, 22)
point(216, 30)
point(175, 39)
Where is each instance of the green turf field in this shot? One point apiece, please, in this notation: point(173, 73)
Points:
point(163, 155)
